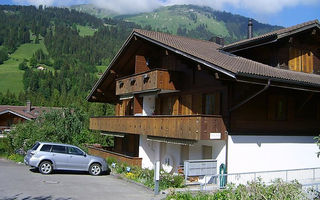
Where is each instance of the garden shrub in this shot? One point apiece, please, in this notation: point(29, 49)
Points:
point(16, 158)
point(256, 190)
point(5, 146)
point(145, 176)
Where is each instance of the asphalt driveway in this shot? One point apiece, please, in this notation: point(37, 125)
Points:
point(17, 181)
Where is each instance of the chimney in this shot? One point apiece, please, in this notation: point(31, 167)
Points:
point(217, 40)
point(28, 106)
point(220, 40)
point(250, 33)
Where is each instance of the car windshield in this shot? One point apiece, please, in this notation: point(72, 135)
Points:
point(35, 146)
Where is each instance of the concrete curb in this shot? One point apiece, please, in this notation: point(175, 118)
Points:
point(161, 196)
point(119, 176)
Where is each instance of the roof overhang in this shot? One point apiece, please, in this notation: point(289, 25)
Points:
point(14, 113)
point(259, 41)
point(276, 82)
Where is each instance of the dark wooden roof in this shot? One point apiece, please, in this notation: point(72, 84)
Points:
point(21, 111)
point(275, 35)
point(211, 55)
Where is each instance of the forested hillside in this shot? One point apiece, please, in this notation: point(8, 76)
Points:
point(69, 58)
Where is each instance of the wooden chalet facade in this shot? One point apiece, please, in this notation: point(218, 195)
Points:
point(12, 115)
point(179, 98)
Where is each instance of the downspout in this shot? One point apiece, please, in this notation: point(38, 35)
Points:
point(251, 97)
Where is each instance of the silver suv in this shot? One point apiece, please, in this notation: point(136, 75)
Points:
point(52, 156)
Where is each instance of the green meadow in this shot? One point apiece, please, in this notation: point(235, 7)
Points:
point(86, 30)
point(10, 75)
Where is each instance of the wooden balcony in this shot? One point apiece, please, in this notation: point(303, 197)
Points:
point(157, 79)
point(134, 161)
point(192, 127)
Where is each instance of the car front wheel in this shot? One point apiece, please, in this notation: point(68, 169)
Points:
point(45, 167)
point(95, 169)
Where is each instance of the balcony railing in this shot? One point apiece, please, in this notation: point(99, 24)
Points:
point(157, 79)
point(192, 127)
point(134, 161)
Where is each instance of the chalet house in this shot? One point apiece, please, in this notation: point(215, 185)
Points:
point(253, 105)
point(11, 115)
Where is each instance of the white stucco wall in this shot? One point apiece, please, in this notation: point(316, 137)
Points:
point(218, 150)
point(173, 151)
point(148, 105)
point(146, 152)
point(265, 153)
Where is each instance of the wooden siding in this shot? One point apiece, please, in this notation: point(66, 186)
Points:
point(276, 111)
point(151, 80)
point(133, 161)
point(141, 64)
point(193, 127)
point(124, 107)
point(300, 60)
point(8, 119)
point(138, 104)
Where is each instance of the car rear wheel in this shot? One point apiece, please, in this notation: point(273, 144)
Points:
point(45, 167)
point(95, 169)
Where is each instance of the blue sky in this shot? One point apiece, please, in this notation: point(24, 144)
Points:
point(276, 12)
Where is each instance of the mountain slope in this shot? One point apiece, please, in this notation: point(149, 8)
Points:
point(92, 10)
point(198, 22)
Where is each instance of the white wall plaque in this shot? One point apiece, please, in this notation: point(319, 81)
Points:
point(215, 136)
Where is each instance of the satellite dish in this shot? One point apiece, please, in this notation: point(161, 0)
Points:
point(167, 163)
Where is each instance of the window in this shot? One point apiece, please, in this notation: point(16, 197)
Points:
point(35, 146)
point(74, 151)
point(58, 149)
point(212, 104)
point(46, 147)
point(278, 107)
point(281, 108)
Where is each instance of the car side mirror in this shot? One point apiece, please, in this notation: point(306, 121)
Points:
point(85, 155)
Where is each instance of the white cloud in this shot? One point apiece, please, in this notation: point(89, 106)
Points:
point(256, 6)
point(35, 2)
point(260, 7)
point(128, 6)
point(50, 2)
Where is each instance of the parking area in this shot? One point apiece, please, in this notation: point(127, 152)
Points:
point(17, 181)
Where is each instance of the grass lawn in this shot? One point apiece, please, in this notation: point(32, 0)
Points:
point(10, 75)
point(101, 69)
point(86, 30)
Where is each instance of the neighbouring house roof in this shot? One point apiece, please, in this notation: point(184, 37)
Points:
point(22, 112)
point(210, 54)
point(273, 36)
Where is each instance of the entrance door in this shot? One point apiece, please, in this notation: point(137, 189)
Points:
point(206, 152)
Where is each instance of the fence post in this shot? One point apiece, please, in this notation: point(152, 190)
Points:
point(286, 175)
point(314, 174)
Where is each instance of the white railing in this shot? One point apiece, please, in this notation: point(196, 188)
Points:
point(307, 177)
point(303, 176)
